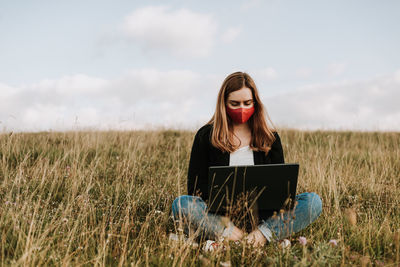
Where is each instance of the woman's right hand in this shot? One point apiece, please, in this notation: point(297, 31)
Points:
point(235, 234)
point(231, 232)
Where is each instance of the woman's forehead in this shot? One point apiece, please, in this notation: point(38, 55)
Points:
point(241, 95)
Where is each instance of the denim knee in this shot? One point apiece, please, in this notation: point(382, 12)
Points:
point(314, 204)
point(177, 205)
point(182, 204)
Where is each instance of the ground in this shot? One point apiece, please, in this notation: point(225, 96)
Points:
point(104, 198)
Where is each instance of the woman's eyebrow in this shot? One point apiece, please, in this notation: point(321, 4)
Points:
point(237, 101)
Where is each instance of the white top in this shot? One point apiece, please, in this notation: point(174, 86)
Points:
point(242, 156)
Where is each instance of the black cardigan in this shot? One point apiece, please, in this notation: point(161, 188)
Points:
point(204, 155)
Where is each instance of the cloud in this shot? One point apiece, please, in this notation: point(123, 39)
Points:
point(335, 69)
point(138, 84)
point(231, 34)
point(146, 98)
point(181, 32)
point(363, 105)
point(304, 72)
point(136, 99)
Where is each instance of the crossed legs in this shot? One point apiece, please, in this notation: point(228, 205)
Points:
point(191, 211)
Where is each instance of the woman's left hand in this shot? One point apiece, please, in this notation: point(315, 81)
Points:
point(256, 238)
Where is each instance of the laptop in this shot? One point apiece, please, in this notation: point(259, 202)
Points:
point(269, 187)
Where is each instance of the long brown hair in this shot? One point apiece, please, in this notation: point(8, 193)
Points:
point(262, 134)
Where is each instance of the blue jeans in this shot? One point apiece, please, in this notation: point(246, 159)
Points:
point(191, 211)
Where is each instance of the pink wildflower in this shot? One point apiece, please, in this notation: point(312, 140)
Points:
point(333, 242)
point(303, 240)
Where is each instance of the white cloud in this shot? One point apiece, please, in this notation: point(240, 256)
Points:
point(397, 76)
point(139, 84)
point(231, 34)
point(181, 32)
point(337, 68)
point(136, 99)
point(363, 105)
point(304, 72)
point(182, 98)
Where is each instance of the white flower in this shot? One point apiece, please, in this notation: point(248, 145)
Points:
point(226, 263)
point(285, 243)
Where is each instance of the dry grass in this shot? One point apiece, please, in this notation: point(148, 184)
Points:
point(104, 198)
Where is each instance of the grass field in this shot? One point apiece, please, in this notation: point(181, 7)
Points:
point(104, 198)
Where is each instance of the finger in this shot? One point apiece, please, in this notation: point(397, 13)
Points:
point(235, 237)
point(239, 234)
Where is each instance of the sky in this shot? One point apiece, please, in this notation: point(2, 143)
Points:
point(124, 65)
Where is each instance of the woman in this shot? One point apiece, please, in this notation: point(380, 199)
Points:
point(238, 134)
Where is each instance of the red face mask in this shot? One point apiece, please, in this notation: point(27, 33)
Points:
point(240, 115)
